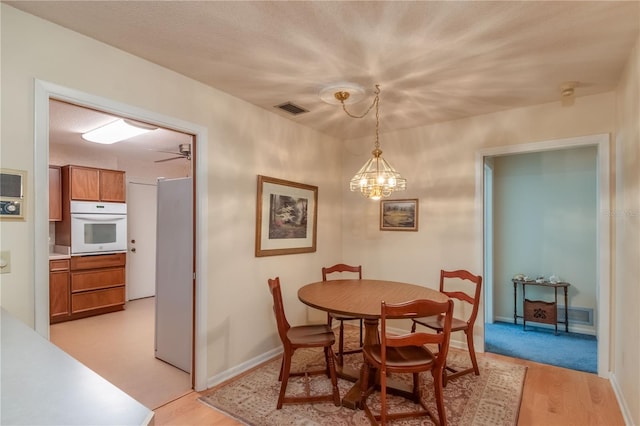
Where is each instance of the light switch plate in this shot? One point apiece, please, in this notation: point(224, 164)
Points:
point(5, 262)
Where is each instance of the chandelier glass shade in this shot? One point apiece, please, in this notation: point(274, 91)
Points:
point(377, 178)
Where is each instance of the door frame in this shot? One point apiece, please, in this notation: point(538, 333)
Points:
point(43, 92)
point(603, 268)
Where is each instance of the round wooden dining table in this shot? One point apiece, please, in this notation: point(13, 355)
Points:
point(362, 298)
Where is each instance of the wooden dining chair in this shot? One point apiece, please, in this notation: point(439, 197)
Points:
point(303, 336)
point(339, 268)
point(471, 297)
point(407, 353)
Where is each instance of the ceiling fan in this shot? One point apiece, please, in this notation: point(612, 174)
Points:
point(184, 152)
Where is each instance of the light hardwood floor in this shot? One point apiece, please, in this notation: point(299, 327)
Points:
point(552, 396)
point(120, 347)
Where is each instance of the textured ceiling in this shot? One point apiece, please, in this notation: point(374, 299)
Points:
point(434, 61)
point(67, 123)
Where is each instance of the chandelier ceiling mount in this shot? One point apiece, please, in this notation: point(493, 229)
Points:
point(377, 178)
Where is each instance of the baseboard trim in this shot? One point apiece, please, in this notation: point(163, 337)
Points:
point(254, 362)
point(580, 329)
point(622, 403)
point(241, 368)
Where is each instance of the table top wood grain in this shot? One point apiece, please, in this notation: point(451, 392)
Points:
point(362, 298)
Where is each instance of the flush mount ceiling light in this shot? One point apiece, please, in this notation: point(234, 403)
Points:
point(377, 178)
point(116, 131)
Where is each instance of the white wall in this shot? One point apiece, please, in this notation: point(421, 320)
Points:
point(545, 216)
point(626, 217)
point(438, 162)
point(244, 141)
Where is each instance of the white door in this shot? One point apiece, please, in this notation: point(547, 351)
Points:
point(174, 272)
point(141, 241)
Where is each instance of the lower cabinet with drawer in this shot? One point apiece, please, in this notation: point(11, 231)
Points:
point(59, 291)
point(96, 285)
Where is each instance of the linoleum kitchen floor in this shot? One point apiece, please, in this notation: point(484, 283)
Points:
point(119, 346)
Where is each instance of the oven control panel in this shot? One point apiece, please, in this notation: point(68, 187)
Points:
point(11, 208)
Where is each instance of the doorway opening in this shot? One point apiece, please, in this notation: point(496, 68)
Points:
point(44, 93)
point(499, 300)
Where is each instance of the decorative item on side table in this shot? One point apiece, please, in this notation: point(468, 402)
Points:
point(540, 311)
point(286, 217)
point(399, 215)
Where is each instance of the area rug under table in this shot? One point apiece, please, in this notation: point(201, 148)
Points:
point(493, 398)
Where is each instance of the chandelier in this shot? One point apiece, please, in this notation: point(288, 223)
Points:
point(377, 178)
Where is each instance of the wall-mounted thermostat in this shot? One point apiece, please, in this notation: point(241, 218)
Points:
point(12, 197)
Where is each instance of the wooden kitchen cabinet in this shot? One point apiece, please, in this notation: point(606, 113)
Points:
point(97, 284)
point(92, 184)
point(112, 186)
point(84, 286)
point(55, 194)
point(59, 290)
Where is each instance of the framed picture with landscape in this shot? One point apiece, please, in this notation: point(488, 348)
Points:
point(286, 217)
point(399, 215)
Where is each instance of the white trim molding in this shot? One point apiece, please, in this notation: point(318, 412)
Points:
point(603, 291)
point(45, 91)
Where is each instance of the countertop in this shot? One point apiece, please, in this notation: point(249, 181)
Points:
point(42, 385)
point(59, 252)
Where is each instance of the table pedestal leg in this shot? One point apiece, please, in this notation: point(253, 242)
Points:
point(353, 398)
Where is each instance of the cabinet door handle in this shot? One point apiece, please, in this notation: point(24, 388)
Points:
point(133, 249)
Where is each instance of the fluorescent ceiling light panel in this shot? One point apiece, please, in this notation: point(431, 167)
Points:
point(116, 131)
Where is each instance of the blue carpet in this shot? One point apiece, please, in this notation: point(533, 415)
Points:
point(568, 350)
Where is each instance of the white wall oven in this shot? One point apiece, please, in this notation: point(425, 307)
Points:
point(98, 228)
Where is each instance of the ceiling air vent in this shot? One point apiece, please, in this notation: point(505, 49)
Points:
point(291, 108)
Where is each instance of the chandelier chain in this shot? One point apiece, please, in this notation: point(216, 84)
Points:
point(377, 178)
point(344, 96)
point(376, 103)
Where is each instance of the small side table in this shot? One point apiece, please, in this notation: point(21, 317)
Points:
point(538, 310)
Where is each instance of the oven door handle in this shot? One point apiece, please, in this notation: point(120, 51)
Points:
point(99, 217)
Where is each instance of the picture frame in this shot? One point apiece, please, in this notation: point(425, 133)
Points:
point(286, 217)
point(399, 215)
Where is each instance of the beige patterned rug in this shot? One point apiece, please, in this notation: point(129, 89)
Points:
point(493, 398)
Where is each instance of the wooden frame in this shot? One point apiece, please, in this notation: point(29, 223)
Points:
point(399, 215)
point(286, 217)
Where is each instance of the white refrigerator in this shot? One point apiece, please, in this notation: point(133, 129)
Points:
point(174, 272)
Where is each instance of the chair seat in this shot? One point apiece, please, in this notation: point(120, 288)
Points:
point(437, 323)
point(312, 335)
point(343, 317)
point(415, 357)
